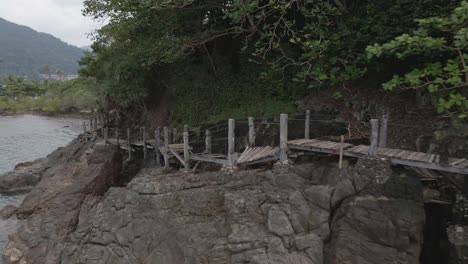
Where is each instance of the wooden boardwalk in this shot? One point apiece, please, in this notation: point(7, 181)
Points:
point(396, 156)
point(287, 149)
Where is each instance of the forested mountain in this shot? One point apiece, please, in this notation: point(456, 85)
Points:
point(23, 51)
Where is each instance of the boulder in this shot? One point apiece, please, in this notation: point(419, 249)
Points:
point(26, 175)
point(281, 216)
point(8, 211)
point(383, 223)
point(50, 211)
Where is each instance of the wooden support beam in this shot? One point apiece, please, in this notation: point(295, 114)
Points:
point(145, 148)
point(383, 132)
point(101, 125)
point(251, 132)
point(175, 135)
point(307, 125)
point(374, 137)
point(96, 126)
point(170, 138)
point(283, 137)
point(186, 150)
point(129, 142)
point(157, 143)
point(208, 141)
point(340, 163)
point(166, 147)
point(85, 133)
point(231, 142)
point(177, 157)
point(208, 159)
point(106, 131)
point(117, 136)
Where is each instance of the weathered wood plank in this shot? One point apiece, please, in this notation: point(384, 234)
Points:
point(251, 132)
point(208, 141)
point(157, 144)
point(186, 150)
point(166, 147)
point(177, 156)
point(209, 159)
point(231, 141)
point(383, 132)
point(283, 137)
point(374, 137)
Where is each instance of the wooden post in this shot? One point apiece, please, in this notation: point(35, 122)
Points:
point(231, 142)
point(283, 137)
point(85, 133)
point(349, 130)
point(91, 125)
point(106, 131)
point(141, 133)
point(374, 137)
point(166, 147)
point(383, 132)
point(117, 136)
point(186, 150)
point(307, 125)
point(157, 144)
point(340, 163)
point(170, 137)
point(96, 126)
point(129, 142)
point(251, 132)
point(101, 126)
point(145, 150)
point(175, 135)
point(208, 141)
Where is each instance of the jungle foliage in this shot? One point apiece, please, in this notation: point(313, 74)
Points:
point(219, 58)
point(18, 94)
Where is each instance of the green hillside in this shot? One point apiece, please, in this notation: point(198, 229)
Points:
point(23, 51)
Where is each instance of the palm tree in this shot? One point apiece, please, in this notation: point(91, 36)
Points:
point(45, 69)
point(60, 74)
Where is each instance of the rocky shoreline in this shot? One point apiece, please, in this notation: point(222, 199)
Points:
point(80, 115)
point(297, 214)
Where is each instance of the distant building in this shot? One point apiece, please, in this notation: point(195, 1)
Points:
point(55, 77)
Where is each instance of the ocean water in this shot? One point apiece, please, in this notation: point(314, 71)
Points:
point(26, 138)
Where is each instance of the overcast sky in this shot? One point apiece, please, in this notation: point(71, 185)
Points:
point(61, 18)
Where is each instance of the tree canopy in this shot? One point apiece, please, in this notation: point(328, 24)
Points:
point(286, 47)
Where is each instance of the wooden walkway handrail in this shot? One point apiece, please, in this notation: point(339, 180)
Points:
point(169, 147)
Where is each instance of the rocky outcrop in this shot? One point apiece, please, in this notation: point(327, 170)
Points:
point(50, 211)
point(26, 175)
point(303, 214)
